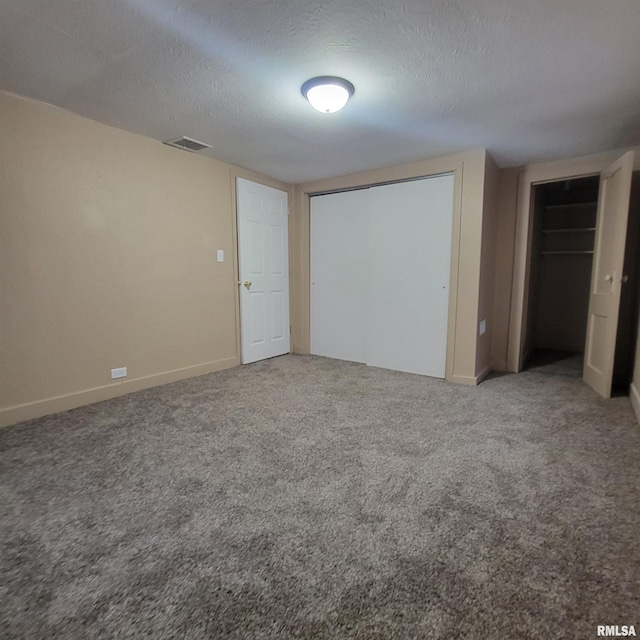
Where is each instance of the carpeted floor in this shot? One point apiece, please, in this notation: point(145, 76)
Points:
point(556, 363)
point(303, 497)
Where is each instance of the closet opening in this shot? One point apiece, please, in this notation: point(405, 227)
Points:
point(560, 268)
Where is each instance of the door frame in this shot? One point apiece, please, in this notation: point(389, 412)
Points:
point(456, 171)
point(449, 263)
point(552, 172)
point(462, 321)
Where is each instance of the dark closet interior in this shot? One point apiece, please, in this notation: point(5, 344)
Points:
point(562, 246)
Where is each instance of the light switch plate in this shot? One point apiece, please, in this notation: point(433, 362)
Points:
point(483, 327)
point(220, 255)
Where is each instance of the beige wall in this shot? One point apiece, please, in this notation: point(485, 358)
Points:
point(469, 170)
point(484, 354)
point(107, 259)
point(535, 278)
point(503, 278)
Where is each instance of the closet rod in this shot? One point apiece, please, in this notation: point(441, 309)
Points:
point(571, 205)
point(566, 253)
point(572, 230)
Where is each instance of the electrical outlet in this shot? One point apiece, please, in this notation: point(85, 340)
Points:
point(120, 372)
point(483, 327)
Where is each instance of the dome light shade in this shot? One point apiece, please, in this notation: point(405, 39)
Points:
point(327, 94)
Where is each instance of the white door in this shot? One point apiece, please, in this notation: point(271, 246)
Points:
point(380, 265)
point(339, 268)
point(410, 226)
point(263, 257)
point(607, 276)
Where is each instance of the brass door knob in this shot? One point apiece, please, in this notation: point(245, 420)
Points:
point(247, 284)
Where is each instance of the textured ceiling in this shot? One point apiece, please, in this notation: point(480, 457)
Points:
point(529, 80)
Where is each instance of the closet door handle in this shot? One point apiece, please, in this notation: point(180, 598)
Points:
point(608, 278)
point(624, 279)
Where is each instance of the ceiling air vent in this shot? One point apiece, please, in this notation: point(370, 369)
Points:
point(188, 144)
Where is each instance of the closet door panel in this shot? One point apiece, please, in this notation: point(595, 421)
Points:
point(409, 246)
point(339, 268)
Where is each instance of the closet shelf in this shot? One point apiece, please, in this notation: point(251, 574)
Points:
point(572, 230)
point(573, 205)
point(566, 253)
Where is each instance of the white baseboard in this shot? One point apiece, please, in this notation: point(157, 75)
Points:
point(634, 396)
point(484, 373)
point(468, 380)
point(39, 408)
point(472, 380)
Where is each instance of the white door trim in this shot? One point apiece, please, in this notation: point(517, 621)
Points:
point(522, 246)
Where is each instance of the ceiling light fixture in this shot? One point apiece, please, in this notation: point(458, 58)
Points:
point(327, 94)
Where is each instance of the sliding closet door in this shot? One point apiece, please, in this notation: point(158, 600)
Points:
point(380, 264)
point(410, 227)
point(339, 266)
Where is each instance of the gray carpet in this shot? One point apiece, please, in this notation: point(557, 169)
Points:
point(303, 497)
